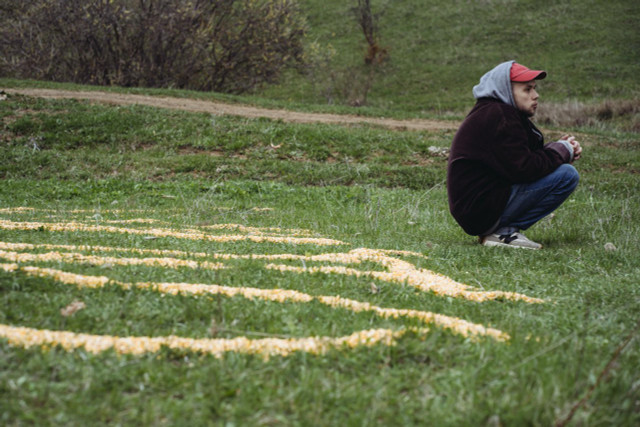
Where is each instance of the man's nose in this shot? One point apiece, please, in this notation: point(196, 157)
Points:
point(535, 94)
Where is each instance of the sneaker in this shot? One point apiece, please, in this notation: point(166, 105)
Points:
point(513, 240)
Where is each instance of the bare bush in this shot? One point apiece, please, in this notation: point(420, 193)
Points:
point(222, 45)
point(368, 21)
point(375, 55)
point(350, 84)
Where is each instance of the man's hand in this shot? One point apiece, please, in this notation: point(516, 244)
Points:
point(577, 149)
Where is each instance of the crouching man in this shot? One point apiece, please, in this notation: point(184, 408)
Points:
point(501, 177)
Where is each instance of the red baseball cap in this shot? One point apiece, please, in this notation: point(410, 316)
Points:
point(520, 73)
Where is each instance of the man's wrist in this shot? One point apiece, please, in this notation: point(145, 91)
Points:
point(563, 148)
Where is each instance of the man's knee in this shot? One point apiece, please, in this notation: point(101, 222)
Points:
point(568, 175)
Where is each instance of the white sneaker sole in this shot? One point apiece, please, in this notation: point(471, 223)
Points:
point(496, 244)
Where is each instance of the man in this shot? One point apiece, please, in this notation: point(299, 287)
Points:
point(501, 178)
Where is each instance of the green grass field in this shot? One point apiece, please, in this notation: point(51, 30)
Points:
point(164, 267)
point(438, 50)
point(106, 186)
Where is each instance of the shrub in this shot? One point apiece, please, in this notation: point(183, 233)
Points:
point(221, 45)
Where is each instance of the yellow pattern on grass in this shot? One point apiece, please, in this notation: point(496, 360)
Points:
point(393, 270)
point(164, 232)
point(400, 272)
point(456, 325)
point(265, 347)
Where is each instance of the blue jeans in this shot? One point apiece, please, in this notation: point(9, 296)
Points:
point(531, 202)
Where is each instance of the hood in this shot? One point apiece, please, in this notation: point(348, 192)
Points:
point(496, 84)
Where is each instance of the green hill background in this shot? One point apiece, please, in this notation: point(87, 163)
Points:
point(439, 49)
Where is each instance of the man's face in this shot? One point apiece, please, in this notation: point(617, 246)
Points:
point(525, 96)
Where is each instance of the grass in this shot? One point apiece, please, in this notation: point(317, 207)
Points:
point(226, 147)
point(438, 51)
point(367, 187)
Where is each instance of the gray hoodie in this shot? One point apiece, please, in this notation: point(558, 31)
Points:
point(496, 84)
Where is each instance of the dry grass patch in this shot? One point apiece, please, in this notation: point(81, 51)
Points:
point(624, 114)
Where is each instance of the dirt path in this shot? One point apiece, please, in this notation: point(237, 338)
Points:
point(235, 110)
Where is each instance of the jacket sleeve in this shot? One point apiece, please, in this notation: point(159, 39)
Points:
point(563, 148)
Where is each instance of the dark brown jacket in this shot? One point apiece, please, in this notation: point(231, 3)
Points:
point(495, 147)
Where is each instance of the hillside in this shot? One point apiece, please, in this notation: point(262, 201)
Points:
point(438, 50)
